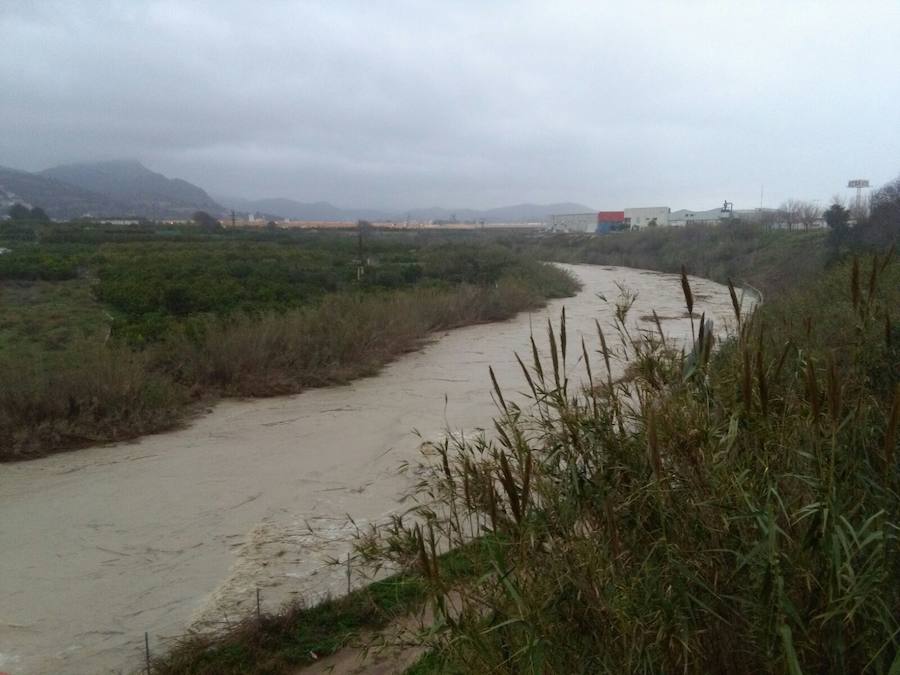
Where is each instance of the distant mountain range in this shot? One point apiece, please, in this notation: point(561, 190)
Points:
point(60, 200)
point(146, 192)
point(518, 213)
point(324, 211)
point(128, 188)
point(103, 189)
point(294, 210)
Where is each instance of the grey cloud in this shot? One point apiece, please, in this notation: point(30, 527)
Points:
point(394, 104)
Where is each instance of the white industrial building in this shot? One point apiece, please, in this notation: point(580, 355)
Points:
point(574, 222)
point(684, 217)
point(639, 218)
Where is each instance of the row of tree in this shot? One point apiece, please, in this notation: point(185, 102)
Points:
point(881, 209)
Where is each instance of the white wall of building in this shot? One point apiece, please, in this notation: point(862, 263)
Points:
point(684, 217)
point(640, 217)
point(574, 222)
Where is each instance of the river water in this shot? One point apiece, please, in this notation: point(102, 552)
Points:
point(179, 529)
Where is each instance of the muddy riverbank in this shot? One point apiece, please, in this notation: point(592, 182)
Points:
point(179, 529)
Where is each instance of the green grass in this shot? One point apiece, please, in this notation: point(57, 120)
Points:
point(301, 635)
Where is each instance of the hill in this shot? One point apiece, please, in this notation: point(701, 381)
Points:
point(142, 191)
point(60, 200)
point(295, 210)
point(518, 213)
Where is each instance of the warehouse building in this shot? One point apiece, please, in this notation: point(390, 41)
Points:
point(610, 221)
point(684, 217)
point(574, 222)
point(641, 217)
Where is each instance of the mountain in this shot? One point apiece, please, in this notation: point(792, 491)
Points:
point(60, 200)
point(294, 210)
point(142, 191)
point(518, 213)
point(324, 211)
point(533, 212)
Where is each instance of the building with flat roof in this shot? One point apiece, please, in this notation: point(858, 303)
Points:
point(574, 222)
point(640, 217)
point(610, 221)
point(684, 217)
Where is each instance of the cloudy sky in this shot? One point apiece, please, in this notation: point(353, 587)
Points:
point(462, 103)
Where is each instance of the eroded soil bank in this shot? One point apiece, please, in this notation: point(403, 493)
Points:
point(180, 529)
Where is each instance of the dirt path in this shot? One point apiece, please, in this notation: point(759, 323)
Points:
point(100, 545)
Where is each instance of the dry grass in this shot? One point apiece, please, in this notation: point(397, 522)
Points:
point(87, 394)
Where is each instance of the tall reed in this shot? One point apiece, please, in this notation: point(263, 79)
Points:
point(734, 511)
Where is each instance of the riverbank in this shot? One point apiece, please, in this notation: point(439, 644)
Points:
point(255, 493)
point(108, 340)
point(772, 261)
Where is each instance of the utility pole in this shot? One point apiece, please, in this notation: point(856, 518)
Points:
point(361, 265)
point(232, 217)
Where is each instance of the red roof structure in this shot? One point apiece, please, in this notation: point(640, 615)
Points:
point(610, 216)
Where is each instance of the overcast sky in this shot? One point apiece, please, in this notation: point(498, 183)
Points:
point(462, 103)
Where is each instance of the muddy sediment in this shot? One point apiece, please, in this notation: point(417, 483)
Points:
point(180, 529)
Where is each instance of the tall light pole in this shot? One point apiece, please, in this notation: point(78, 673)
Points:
point(859, 184)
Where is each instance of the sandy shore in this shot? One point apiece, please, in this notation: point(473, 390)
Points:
point(178, 529)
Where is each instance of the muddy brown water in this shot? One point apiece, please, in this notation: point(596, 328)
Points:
point(178, 530)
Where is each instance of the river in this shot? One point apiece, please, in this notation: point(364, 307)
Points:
point(179, 529)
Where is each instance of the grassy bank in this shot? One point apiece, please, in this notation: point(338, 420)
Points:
point(104, 341)
point(299, 636)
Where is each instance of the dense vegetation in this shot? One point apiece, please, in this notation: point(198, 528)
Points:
point(731, 512)
point(733, 509)
point(108, 333)
point(771, 261)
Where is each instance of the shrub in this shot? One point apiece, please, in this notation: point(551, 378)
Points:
point(87, 394)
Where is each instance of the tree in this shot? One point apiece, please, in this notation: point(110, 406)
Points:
point(882, 227)
point(206, 221)
point(768, 218)
point(885, 204)
point(837, 217)
point(808, 214)
point(789, 212)
point(838, 220)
